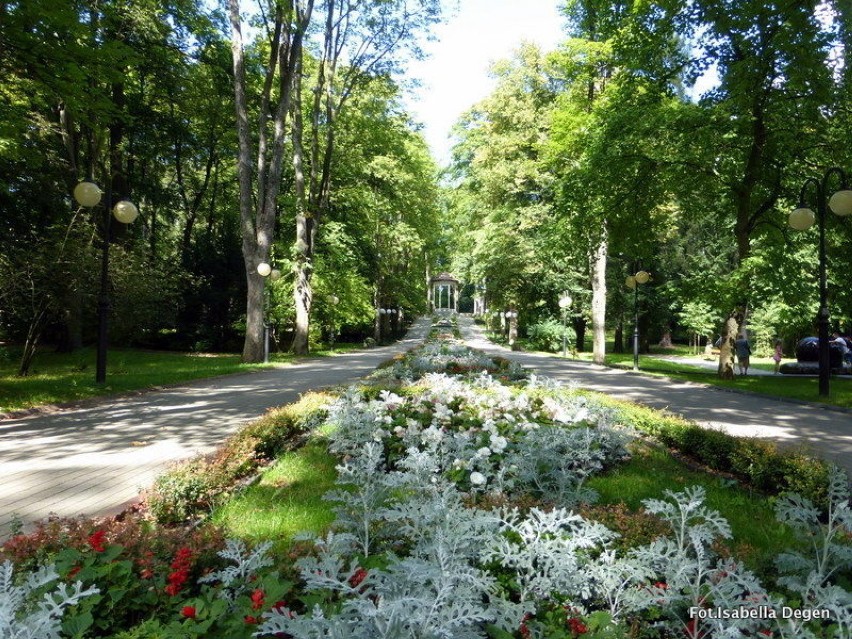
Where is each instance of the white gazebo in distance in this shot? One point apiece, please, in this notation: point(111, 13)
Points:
point(444, 293)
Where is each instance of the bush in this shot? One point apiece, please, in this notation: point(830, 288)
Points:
point(761, 463)
point(196, 485)
point(548, 335)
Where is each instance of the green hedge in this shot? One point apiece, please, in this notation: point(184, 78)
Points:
point(195, 486)
point(759, 462)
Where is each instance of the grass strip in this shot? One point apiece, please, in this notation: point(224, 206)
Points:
point(58, 378)
point(286, 501)
point(651, 471)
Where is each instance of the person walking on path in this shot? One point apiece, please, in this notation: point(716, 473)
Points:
point(778, 354)
point(743, 353)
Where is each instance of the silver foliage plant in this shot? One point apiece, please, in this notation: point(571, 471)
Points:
point(23, 618)
point(234, 579)
point(498, 440)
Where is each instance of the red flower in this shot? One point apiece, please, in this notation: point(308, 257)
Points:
point(525, 632)
point(188, 612)
point(96, 540)
point(257, 599)
point(357, 577)
point(146, 574)
point(251, 620)
point(180, 571)
point(576, 625)
point(662, 585)
point(73, 572)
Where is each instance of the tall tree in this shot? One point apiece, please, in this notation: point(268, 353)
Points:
point(261, 148)
point(370, 36)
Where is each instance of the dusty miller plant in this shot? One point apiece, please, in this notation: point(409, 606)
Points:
point(548, 552)
point(693, 576)
point(234, 580)
point(828, 551)
point(435, 592)
point(22, 618)
point(365, 490)
point(555, 461)
point(809, 573)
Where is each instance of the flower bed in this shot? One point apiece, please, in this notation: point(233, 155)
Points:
point(456, 507)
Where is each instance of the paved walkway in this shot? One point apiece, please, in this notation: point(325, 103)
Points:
point(94, 460)
point(827, 432)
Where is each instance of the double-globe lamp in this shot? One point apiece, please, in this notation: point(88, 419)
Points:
point(89, 194)
point(801, 219)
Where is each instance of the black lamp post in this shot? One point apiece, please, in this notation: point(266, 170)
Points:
point(88, 194)
point(633, 282)
point(265, 270)
point(801, 219)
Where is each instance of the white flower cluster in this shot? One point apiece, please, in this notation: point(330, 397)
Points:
point(411, 458)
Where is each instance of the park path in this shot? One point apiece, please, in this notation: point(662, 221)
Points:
point(94, 460)
point(826, 432)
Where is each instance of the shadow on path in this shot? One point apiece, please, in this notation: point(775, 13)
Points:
point(92, 460)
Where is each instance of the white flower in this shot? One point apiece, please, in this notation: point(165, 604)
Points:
point(477, 479)
point(498, 443)
point(483, 452)
point(582, 415)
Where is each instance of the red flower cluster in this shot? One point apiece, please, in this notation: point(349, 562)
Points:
point(525, 632)
point(357, 577)
point(257, 599)
point(251, 620)
point(576, 625)
point(180, 571)
point(96, 540)
point(188, 612)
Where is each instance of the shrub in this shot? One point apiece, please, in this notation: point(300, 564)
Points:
point(761, 463)
point(548, 335)
point(196, 485)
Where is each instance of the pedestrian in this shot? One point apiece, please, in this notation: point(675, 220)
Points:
point(743, 352)
point(778, 354)
point(843, 347)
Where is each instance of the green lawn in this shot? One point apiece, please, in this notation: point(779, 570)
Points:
point(652, 470)
point(287, 500)
point(63, 377)
point(785, 386)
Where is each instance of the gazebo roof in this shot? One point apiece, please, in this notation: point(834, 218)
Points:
point(444, 277)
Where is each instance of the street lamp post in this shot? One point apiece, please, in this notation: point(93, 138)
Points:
point(801, 219)
point(265, 270)
point(88, 194)
point(564, 303)
point(633, 282)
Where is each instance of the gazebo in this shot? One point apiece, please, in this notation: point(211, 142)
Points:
point(444, 292)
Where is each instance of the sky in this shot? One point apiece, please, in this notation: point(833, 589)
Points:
point(455, 76)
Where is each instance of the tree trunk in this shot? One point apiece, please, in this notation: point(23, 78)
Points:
point(580, 331)
point(599, 302)
point(726, 349)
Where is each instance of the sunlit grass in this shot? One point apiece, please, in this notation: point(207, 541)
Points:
point(57, 378)
point(651, 471)
point(287, 500)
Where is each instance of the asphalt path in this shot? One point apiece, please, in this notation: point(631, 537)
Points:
point(94, 460)
point(825, 432)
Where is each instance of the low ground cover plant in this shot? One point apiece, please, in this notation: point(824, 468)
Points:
point(463, 508)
